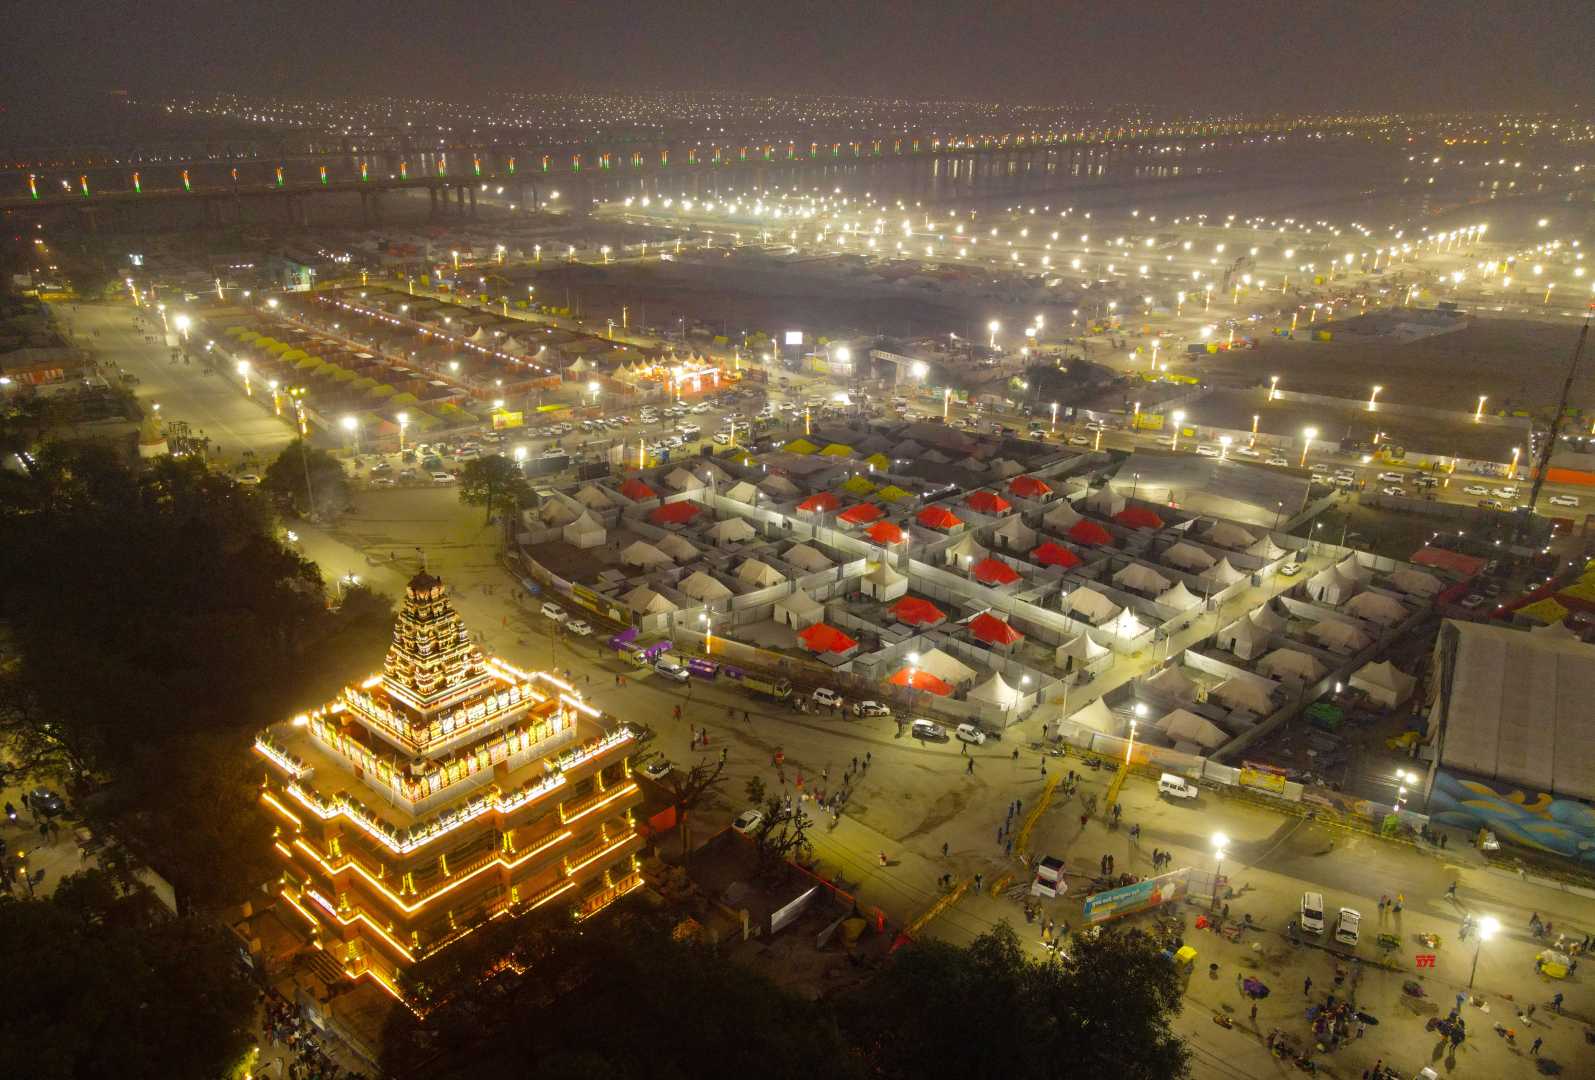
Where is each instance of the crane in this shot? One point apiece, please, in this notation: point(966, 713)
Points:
point(1543, 465)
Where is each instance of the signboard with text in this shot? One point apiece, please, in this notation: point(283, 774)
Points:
point(1127, 899)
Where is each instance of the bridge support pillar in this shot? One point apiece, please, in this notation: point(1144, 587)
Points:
point(432, 212)
point(459, 200)
point(473, 201)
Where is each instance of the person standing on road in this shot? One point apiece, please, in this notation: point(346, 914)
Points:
point(1451, 891)
point(1307, 987)
point(1534, 1048)
point(971, 769)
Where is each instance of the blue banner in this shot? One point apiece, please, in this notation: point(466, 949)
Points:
point(1141, 895)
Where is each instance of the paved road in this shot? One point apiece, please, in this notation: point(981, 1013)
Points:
point(209, 403)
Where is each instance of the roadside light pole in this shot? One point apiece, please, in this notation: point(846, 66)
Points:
point(1179, 420)
point(1487, 928)
point(1220, 842)
point(1308, 435)
point(404, 421)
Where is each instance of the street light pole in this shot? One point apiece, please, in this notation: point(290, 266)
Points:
point(1487, 928)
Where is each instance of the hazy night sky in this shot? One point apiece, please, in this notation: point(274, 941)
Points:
point(1248, 56)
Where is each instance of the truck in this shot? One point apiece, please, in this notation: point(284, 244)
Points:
point(779, 689)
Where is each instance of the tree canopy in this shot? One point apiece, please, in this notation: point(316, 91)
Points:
point(105, 983)
point(299, 465)
point(495, 482)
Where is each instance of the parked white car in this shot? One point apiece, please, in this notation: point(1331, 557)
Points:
point(969, 733)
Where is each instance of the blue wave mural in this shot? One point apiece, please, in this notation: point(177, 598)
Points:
point(1533, 819)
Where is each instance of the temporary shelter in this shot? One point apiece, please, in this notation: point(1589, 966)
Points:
point(1330, 586)
point(645, 601)
point(1089, 532)
point(824, 638)
point(1339, 637)
point(883, 583)
point(884, 532)
point(1266, 549)
point(1292, 662)
point(1014, 534)
point(1376, 607)
point(805, 557)
point(914, 611)
point(1188, 557)
point(1088, 605)
point(759, 575)
point(1229, 535)
point(558, 512)
point(994, 631)
point(1004, 467)
point(965, 551)
point(585, 532)
point(800, 446)
point(743, 492)
point(1106, 502)
point(677, 547)
point(1351, 567)
point(700, 586)
point(592, 498)
point(1415, 582)
point(1266, 618)
point(938, 517)
point(821, 502)
point(1096, 716)
point(1244, 638)
point(995, 691)
point(798, 609)
point(676, 513)
point(1179, 598)
point(919, 679)
point(1138, 517)
point(862, 514)
point(778, 486)
point(1172, 683)
point(1221, 574)
point(1054, 554)
point(637, 491)
point(858, 485)
point(731, 531)
point(682, 480)
point(1186, 727)
point(1081, 650)
point(994, 572)
point(1061, 516)
point(641, 553)
point(947, 668)
point(1029, 487)
point(1245, 692)
point(987, 501)
point(1141, 579)
point(1384, 683)
point(1125, 625)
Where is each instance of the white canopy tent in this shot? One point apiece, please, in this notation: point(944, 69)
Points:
point(1188, 557)
point(778, 486)
point(884, 583)
point(1266, 618)
point(1384, 683)
point(1352, 568)
point(1229, 535)
point(1244, 638)
point(1416, 582)
point(1340, 637)
point(641, 553)
point(1330, 586)
point(1125, 625)
point(995, 691)
point(759, 574)
point(730, 532)
point(743, 492)
point(1221, 574)
point(1060, 517)
point(1105, 502)
point(946, 668)
point(1266, 549)
point(700, 586)
point(1142, 579)
point(1179, 598)
point(1088, 605)
point(1098, 717)
point(591, 497)
point(1015, 534)
point(585, 532)
point(805, 557)
point(682, 480)
point(1183, 726)
point(557, 512)
point(1245, 692)
point(1172, 683)
point(677, 547)
point(1081, 649)
point(645, 601)
point(965, 552)
point(1376, 608)
point(798, 610)
point(1292, 662)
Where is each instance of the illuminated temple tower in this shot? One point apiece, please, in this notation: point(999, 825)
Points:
point(448, 790)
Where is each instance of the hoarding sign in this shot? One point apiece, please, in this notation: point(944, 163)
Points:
point(1136, 897)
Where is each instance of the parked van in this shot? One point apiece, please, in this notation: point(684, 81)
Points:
point(1177, 786)
point(969, 733)
point(553, 611)
point(1312, 912)
point(825, 697)
point(1346, 927)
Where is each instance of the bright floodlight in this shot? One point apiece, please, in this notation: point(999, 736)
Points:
point(844, 354)
point(1220, 841)
point(350, 423)
point(403, 418)
point(183, 322)
point(272, 303)
point(1488, 926)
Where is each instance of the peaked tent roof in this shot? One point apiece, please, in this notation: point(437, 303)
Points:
point(700, 586)
point(642, 553)
point(801, 608)
point(1054, 554)
point(1141, 578)
point(1016, 533)
point(733, 531)
point(1029, 487)
point(1266, 549)
point(1086, 531)
point(1105, 502)
point(1183, 726)
point(921, 680)
point(821, 502)
point(884, 532)
point(1221, 573)
point(1376, 607)
point(1179, 598)
point(755, 572)
point(1172, 682)
point(822, 637)
point(938, 517)
point(879, 460)
point(637, 491)
point(645, 600)
point(946, 668)
point(1342, 637)
point(996, 691)
point(994, 572)
point(1087, 603)
point(1266, 618)
point(1188, 557)
point(1229, 535)
point(988, 502)
point(862, 514)
point(916, 612)
point(1415, 582)
point(1291, 662)
point(837, 450)
point(808, 558)
point(1138, 517)
point(590, 497)
point(743, 491)
point(892, 493)
point(994, 631)
point(682, 480)
point(676, 546)
point(778, 485)
point(1061, 516)
point(800, 446)
point(1244, 692)
point(857, 485)
point(676, 513)
point(1387, 676)
point(1125, 624)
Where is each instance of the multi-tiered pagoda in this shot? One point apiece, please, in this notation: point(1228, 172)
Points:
point(448, 790)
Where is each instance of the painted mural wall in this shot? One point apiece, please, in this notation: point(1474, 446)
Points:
point(1533, 819)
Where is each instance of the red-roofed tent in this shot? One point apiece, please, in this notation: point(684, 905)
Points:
point(824, 638)
point(916, 612)
point(884, 532)
point(862, 514)
point(994, 572)
point(676, 513)
point(1138, 517)
point(939, 517)
point(993, 631)
point(1028, 487)
point(989, 502)
point(1445, 559)
point(635, 490)
point(820, 503)
point(1086, 531)
point(921, 680)
point(1054, 554)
